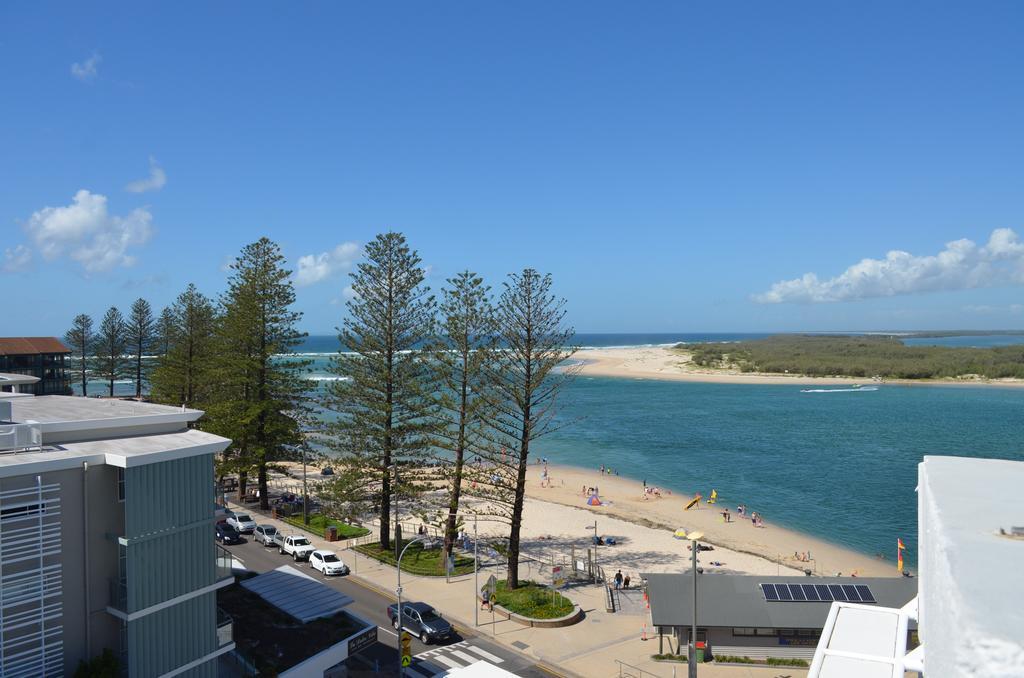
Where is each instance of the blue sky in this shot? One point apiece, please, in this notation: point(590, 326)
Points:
point(675, 166)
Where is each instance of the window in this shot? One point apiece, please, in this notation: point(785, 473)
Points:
point(120, 484)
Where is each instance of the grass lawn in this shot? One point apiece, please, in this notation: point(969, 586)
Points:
point(532, 600)
point(417, 560)
point(318, 523)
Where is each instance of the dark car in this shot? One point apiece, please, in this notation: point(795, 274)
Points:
point(227, 534)
point(421, 620)
point(327, 471)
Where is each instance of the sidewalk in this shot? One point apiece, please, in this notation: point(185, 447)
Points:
point(590, 647)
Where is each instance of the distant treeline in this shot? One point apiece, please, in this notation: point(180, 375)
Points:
point(859, 356)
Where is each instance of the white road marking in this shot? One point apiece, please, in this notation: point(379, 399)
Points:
point(465, 657)
point(485, 654)
point(388, 631)
point(447, 662)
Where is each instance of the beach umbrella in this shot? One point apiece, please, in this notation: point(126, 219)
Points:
point(680, 534)
point(594, 500)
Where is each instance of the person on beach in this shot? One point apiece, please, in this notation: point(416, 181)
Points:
point(726, 515)
point(618, 580)
point(625, 582)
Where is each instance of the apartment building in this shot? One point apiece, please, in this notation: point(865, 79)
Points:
point(40, 357)
point(106, 514)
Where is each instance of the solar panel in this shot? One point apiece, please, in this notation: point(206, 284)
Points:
point(865, 593)
point(817, 593)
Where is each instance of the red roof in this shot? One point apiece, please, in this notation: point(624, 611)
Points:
point(31, 345)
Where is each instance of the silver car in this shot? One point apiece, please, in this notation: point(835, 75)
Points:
point(265, 534)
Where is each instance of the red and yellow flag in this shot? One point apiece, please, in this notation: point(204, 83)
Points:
point(900, 547)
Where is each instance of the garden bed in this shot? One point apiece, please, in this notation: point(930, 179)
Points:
point(417, 560)
point(318, 525)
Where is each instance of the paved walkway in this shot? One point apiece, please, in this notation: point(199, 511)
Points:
point(589, 648)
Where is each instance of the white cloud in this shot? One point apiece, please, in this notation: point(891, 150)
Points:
point(961, 265)
point(313, 268)
point(87, 233)
point(154, 182)
point(87, 71)
point(16, 259)
point(987, 310)
point(349, 293)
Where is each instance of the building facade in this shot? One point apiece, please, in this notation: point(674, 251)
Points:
point(106, 515)
point(40, 357)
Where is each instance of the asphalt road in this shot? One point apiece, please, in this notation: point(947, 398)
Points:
point(429, 660)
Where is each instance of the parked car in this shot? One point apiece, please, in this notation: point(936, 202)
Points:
point(242, 522)
point(295, 545)
point(327, 471)
point(327, 562)
point(420, 620)
point(226, 534)
point(265, 534)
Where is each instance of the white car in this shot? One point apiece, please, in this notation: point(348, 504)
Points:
point(242, 522)
point(327, 562)
point(265, 534)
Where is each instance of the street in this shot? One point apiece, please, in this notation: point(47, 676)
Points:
point(463, 649)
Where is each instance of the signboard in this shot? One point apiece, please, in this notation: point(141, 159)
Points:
point(581, 566)
point(406, 648)
point(362, 641)
point(557, 576)
point(492, 585)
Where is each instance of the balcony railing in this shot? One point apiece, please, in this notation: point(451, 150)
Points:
point(225, 628)
point(119, 594)
point(21, 437)
point(223, 564)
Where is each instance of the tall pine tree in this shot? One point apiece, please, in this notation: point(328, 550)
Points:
point(80, 339)
point(384, 403)
point(141, 338)
point(180, 376)
point(464, 355)
point(261, 396)
point(110, 347)
point(525, 386)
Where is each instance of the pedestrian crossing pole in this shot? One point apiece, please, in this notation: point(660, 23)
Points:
point(476, 576)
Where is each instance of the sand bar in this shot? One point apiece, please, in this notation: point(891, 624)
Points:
point(663, 362)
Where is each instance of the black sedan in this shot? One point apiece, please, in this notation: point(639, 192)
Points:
point(226, 534)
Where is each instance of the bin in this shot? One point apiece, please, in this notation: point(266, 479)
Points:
point(700, 650)
point(331, 533)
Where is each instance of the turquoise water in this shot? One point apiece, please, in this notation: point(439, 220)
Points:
point(840, 466)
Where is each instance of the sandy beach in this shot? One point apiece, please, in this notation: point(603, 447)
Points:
point(648, 524)
point(663, 362)
point(557, 520)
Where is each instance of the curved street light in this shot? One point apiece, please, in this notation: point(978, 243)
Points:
point(691, 652)
point(398, 591)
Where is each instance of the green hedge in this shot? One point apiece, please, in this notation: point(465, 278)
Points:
point(429, 562)
point(532, 600)
point(318, 524)
point(771, 661)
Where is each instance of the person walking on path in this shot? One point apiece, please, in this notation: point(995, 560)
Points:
point(625, 582)
point(618, 580)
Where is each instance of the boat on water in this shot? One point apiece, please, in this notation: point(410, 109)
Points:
point(855, 388)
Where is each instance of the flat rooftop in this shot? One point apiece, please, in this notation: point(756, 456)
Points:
point(123, 452)
point(60, 409)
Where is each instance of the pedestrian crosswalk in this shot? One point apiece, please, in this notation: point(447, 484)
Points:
point(439, 661)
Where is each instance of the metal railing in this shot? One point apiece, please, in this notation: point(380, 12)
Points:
point(225, 628)
point(119, 594)
point(21, 437)
point(630, 671)
point(223, 563)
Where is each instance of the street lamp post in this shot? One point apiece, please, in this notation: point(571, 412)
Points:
point(476, 577)
point(398, 612)
point(305, 491)
point(691, 651)
point(596, 540)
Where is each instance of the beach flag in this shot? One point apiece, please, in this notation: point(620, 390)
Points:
point(714, 497)
point(900, 547)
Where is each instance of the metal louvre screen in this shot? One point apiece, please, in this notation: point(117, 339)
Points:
point(816, 593)
point(31, 608)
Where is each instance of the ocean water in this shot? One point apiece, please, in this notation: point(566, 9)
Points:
point(840, 466)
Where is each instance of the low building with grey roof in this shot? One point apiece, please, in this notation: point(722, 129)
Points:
point(747, 616)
